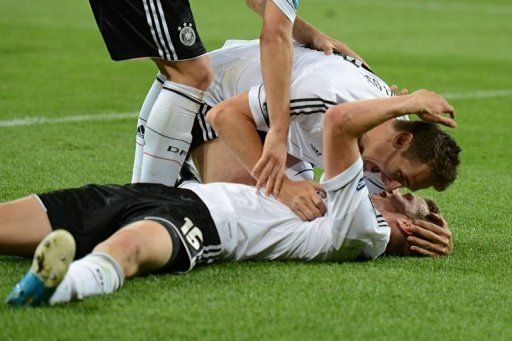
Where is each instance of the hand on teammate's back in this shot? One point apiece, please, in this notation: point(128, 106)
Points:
point(304, 198)
point(323, 42)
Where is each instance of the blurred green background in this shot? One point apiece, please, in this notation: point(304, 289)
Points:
point(53, 64)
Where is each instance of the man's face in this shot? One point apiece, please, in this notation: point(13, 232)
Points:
point(397, 171)
point(396, 209)
point(404, 204)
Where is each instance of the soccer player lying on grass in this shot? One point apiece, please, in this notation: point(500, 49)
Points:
point(141, 228)
point(402, 154)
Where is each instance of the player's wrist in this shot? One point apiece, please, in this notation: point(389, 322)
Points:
point(279, 134)
point(405, 104)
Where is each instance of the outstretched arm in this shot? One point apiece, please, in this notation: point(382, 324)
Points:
point(345, 123)
point(276, 64)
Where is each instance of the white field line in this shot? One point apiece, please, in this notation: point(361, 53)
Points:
point(30, 121)
point(479, 94)
point(458, 6)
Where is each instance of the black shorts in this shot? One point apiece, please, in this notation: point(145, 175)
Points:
point(163, 29)
point(93, 213)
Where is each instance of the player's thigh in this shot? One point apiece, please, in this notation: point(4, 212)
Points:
point(23, 224)
point(216, 163)
point(197, 72)
point(139, 247)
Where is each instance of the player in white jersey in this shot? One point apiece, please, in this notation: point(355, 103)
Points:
point(165, 32)
point(318, 83)
point(151, 227)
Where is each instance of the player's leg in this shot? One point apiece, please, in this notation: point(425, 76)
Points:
point(188, 71)
point(216, 163)
point(140, 247)
point(137, 248)
point(23, 224)
point(164, 31)
point(145, 110)
point(168, 130)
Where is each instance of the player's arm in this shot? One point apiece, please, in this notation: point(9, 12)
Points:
point(307, 34)
point(276, 55)
point(345, 123)
point(233, 121)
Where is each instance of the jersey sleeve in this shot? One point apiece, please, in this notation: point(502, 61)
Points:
point(354, 223)
point(288, 7)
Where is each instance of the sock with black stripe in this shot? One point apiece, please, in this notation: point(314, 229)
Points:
point(168, 132)
point(149, 101)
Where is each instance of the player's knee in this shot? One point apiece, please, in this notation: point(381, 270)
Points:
point(201, 76)
point(197, 73)
point(126, 248)
point(217, 116)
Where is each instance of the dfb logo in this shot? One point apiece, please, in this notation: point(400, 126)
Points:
point(176, 150)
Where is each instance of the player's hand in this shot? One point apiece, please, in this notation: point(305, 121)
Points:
point(431, 239)
point(304, 198)
point(323, 42)
point(394, 91)
point(430, 107)
point(269, 170)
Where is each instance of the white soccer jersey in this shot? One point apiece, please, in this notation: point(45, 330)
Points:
point(288, 7)
point(252, 226)
point(318, 82)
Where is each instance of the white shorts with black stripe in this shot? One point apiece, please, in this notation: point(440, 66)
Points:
point(202, 132)
point(163, 29)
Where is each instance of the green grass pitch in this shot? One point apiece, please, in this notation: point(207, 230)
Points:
point(53, 64)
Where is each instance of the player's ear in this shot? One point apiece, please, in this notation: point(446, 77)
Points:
point(404, 225)
point(402, 140)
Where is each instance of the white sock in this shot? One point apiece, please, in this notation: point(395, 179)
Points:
point(168, 133)
point(151, 97)
point(95, 274)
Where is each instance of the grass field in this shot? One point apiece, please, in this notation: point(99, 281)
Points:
point(53, 64)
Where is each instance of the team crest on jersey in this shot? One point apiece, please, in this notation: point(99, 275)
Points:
point(361, 184)
point(187, 34)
